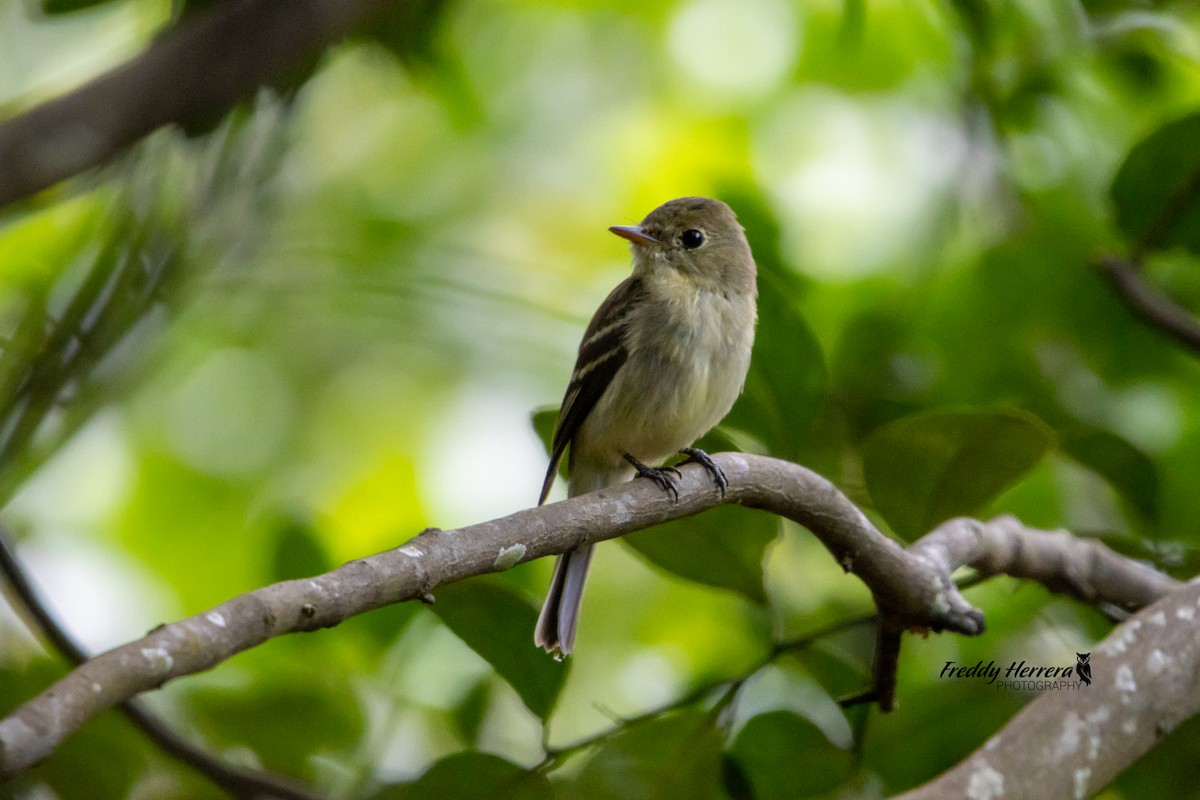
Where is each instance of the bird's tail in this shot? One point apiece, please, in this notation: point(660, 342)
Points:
point(560, 613)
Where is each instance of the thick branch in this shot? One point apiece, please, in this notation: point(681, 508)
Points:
point(1062, 563)
point(1150, 304)
point(196, 71)
point(1146, 680)
point(912, 587)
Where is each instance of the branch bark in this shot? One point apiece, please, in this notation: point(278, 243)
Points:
point(1146, 680)
point(912, 587)
point(198, 70)
point(239, 781)
point(1150, 304)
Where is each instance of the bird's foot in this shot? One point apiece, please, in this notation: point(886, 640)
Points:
point(705, 460)
point(660, 475)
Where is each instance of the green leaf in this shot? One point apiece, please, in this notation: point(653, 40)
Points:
point(671, 756)
point(723, 547)
point(926, 468)
point(977, 20)
point(409, 30)
point(785, 387)
point(1130, 471)
point(468, 715)
point(298, 553)
point(786, 756)
point(735, 780)
point(497, 623)
point(1157, 189)
point(284, 718)
point(381, 627)
point(841, 671)
point(544, 420)
point(472, 774)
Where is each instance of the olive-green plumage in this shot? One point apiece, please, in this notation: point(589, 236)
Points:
point(660, 364)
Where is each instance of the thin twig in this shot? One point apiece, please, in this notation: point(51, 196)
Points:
point(732, 684)
point(1155, 234)
point(1150, 304)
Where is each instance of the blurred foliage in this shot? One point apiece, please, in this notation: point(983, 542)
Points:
point(1166, 159)
point(494, 622)
point(305, 332)
point(925, 468)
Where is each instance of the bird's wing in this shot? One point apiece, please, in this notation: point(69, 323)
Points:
point(601, 354)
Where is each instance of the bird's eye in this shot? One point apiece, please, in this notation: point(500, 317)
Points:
point(691, 238)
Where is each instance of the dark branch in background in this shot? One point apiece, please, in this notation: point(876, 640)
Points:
point(912, 587)
point(1074, 743)
point(238, 781)
point(1150, 304)
point(1127, 277)
point(49, 386)
point(195, 72)
point(127, 279)
point(72, 347)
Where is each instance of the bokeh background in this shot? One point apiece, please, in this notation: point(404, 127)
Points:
point(373, 280)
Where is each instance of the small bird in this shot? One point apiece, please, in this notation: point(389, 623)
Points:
point(662, 362)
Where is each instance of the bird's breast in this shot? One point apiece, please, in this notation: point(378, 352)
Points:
point(687, 363)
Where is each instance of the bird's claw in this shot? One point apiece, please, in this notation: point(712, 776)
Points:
point(660, 475)
point(662, 479)
point(705, 460)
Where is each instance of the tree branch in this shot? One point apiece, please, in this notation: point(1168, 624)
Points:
point(912, 586)
point(242, 782)
point(1146, 677)
point(199, 70)
point(1150, 304)
point(1081, 568)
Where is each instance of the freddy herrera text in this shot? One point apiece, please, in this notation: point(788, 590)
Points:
point(1015, 671)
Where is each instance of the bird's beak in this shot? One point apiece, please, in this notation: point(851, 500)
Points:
point(633, 233)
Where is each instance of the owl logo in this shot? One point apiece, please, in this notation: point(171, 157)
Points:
point(1083, 667)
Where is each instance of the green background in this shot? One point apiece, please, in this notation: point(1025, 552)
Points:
point(371, 282)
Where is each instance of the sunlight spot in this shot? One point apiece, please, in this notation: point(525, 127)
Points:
point(738, 49)
point(84, 481)
point(649, 678)
point(857, 182)
point(1149, 415)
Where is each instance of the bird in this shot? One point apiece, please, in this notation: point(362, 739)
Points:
point(660, 364)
